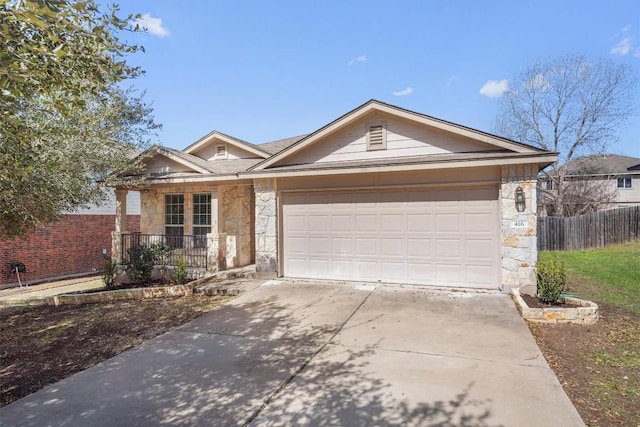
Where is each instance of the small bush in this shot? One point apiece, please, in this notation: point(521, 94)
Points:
point(551, 280)
point(109, 273)
point(180, 273)
point(141, 261)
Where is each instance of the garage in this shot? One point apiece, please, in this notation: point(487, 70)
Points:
point(442, 236)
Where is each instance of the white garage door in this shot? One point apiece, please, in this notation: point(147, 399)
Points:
point(442, 237)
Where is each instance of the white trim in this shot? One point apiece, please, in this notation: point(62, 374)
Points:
point(393, 187)
point(399, 168)
point(397, 112)
point(224, 138)
point(180, 160)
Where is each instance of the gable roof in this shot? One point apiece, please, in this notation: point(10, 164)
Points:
point(374, 105)
point(202, 166)
point(215, 135)
point(192, 162)
point(602, 164)
point(274, 147)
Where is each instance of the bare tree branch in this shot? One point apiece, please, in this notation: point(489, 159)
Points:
point(574, 107)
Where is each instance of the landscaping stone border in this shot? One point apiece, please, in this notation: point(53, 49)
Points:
point(584, 313)
point(217, 284)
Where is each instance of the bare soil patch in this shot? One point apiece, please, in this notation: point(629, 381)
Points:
point(534, 302)
point(598, 365)
point(40, 345)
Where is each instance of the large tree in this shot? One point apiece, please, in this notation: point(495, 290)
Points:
point(66, 122)
point(571, 106)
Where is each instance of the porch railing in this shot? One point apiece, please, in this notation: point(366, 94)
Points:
point(193, 249)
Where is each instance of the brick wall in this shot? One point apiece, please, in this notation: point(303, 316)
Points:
point(71, 246)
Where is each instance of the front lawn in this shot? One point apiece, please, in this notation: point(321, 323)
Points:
point(610, 275)
point(599, 365)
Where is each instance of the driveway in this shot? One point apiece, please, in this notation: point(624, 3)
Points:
point(325, 355)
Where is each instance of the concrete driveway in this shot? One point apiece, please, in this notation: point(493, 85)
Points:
point(323, 355)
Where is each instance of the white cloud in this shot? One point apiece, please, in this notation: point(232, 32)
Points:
point(451, 80)
point(152, 25)
point(404, 92)
point(626, 44)
point(358, 60)
point(494, 88)
point(623, 47)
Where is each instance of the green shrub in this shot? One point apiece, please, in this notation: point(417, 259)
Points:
point(109, 273)
point(141, 261)
point(551, 280)
point(161, 253)
point(180, 273)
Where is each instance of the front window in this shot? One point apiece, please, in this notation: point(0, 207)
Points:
point(174, 219)
point(201, 218)
point(624, 182)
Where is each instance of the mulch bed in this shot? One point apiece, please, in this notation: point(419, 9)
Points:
point(534, 302)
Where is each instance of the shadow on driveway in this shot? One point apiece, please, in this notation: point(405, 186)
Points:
point(277, 356)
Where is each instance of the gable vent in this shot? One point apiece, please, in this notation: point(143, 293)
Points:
point(221, 151)
point(376, 135)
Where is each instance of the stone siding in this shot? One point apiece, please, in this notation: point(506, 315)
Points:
point(231, 228)
point(518, 240)
point(236, 204)
point(266, 227)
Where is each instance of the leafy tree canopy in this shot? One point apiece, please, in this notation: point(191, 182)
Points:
point(66, 122)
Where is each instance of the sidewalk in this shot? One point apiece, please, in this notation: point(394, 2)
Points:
point(12, 296)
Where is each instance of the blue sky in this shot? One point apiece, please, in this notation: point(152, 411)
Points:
point(265, 70)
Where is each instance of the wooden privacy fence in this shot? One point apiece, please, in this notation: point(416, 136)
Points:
point(593, 230)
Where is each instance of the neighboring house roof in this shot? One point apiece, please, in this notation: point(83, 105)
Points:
point(602, 164)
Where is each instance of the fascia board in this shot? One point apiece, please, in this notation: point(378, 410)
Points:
point(540, 160)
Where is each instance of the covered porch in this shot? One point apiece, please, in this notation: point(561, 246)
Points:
point(210, 226)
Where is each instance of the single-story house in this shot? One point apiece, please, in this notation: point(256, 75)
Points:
point(381, 194)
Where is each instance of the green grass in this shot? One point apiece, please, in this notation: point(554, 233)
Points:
point(610, 275)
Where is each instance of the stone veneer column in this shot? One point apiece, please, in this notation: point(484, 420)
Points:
point(518, 229)
point(120, 225)
point(266, 228)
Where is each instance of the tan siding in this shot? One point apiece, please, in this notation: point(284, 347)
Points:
point(404, 139)
point(628, 195)
point(163, 165)
point(209, 152)
point(467, 175)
